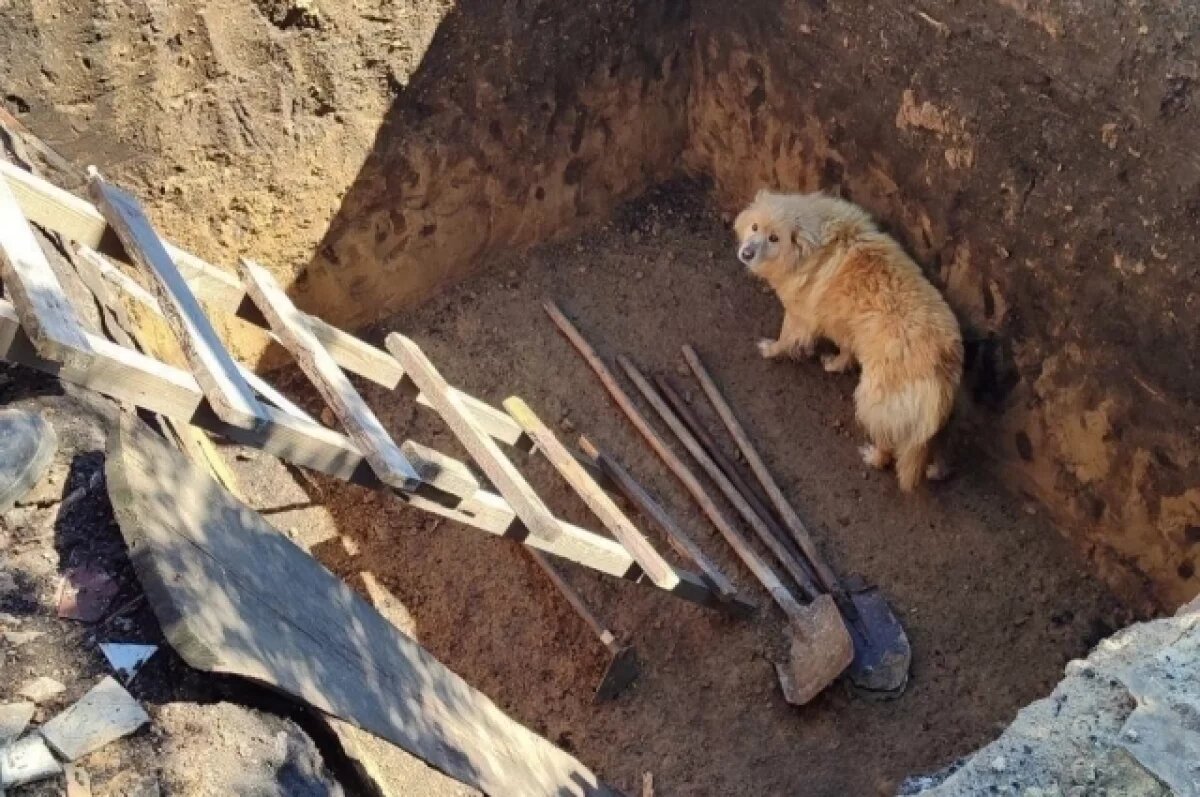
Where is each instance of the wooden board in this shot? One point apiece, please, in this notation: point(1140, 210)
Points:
point(229, 395)
point(385, 457)
point(235, 596)
point(538, 519)
point(46, 314)
point(78, 220)
point(658, 569)
point(124, 332)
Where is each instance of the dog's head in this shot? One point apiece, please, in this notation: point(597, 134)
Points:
point(766, 235)
point(780, 231)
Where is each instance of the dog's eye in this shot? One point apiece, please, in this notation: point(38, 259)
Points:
point(774, 238)
point(753, 228)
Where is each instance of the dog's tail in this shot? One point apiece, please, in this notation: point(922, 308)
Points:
point(911, 464)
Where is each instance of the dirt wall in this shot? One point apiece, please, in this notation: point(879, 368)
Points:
point(1039, 159)
point(524, 120)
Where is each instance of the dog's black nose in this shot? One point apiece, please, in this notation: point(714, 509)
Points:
point(747, 253)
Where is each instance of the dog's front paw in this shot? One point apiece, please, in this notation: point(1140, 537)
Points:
point(766, 348)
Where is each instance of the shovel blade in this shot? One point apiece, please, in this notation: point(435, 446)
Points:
point(821, 650)
point(622, 670)
point(882, 654)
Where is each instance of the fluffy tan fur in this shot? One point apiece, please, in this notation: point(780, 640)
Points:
point(840, 278)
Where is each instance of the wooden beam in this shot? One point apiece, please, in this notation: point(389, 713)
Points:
point(46, 314)
point(610, 515)
point(124, 332)
point(392, 467)
point(76, 219)
point(662, 574)
point(115, 278)
point(538, 520)
point(223, 386)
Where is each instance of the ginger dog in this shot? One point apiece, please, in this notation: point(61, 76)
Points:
point(840, 278)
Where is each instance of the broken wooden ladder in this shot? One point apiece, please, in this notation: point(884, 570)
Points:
point(40, 328)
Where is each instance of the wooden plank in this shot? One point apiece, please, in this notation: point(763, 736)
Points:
point(77, 219)
point(229, 395)
point(440, 471)
point(825, 575)
point(658, 569)
point(114, 278)
point(124, 332)
point(392, 467)
point(45, 312)
point(538, 520)
point(235, 596)
point(679, 539)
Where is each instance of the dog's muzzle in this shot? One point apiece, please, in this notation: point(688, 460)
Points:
point(747, 253)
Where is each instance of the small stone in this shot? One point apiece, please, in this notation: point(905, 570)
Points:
point(567, 425)
point(18, 638)
point(999, 764)
point(327, 417)
point(1131, 735)
point(41, 689)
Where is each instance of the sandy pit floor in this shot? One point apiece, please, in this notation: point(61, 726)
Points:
point(993, 600)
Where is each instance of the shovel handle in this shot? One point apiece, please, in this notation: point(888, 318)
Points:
point(796, 526)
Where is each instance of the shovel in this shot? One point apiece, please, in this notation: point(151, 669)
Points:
point(821, 649)
point(882, 654)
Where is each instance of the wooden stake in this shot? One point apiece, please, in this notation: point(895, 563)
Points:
point(385, 457)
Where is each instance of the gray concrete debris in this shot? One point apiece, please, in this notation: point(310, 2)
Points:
point(27, 446)
point(14, 717)
point(104, 714)
point(41, 689)
point(1122, 722)
point(27, 760)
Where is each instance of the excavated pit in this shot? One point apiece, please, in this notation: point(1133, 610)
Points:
point(440, 168)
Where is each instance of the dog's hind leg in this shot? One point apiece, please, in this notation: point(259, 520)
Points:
point(876, 456)
point(911, 465)
point(797, 338)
